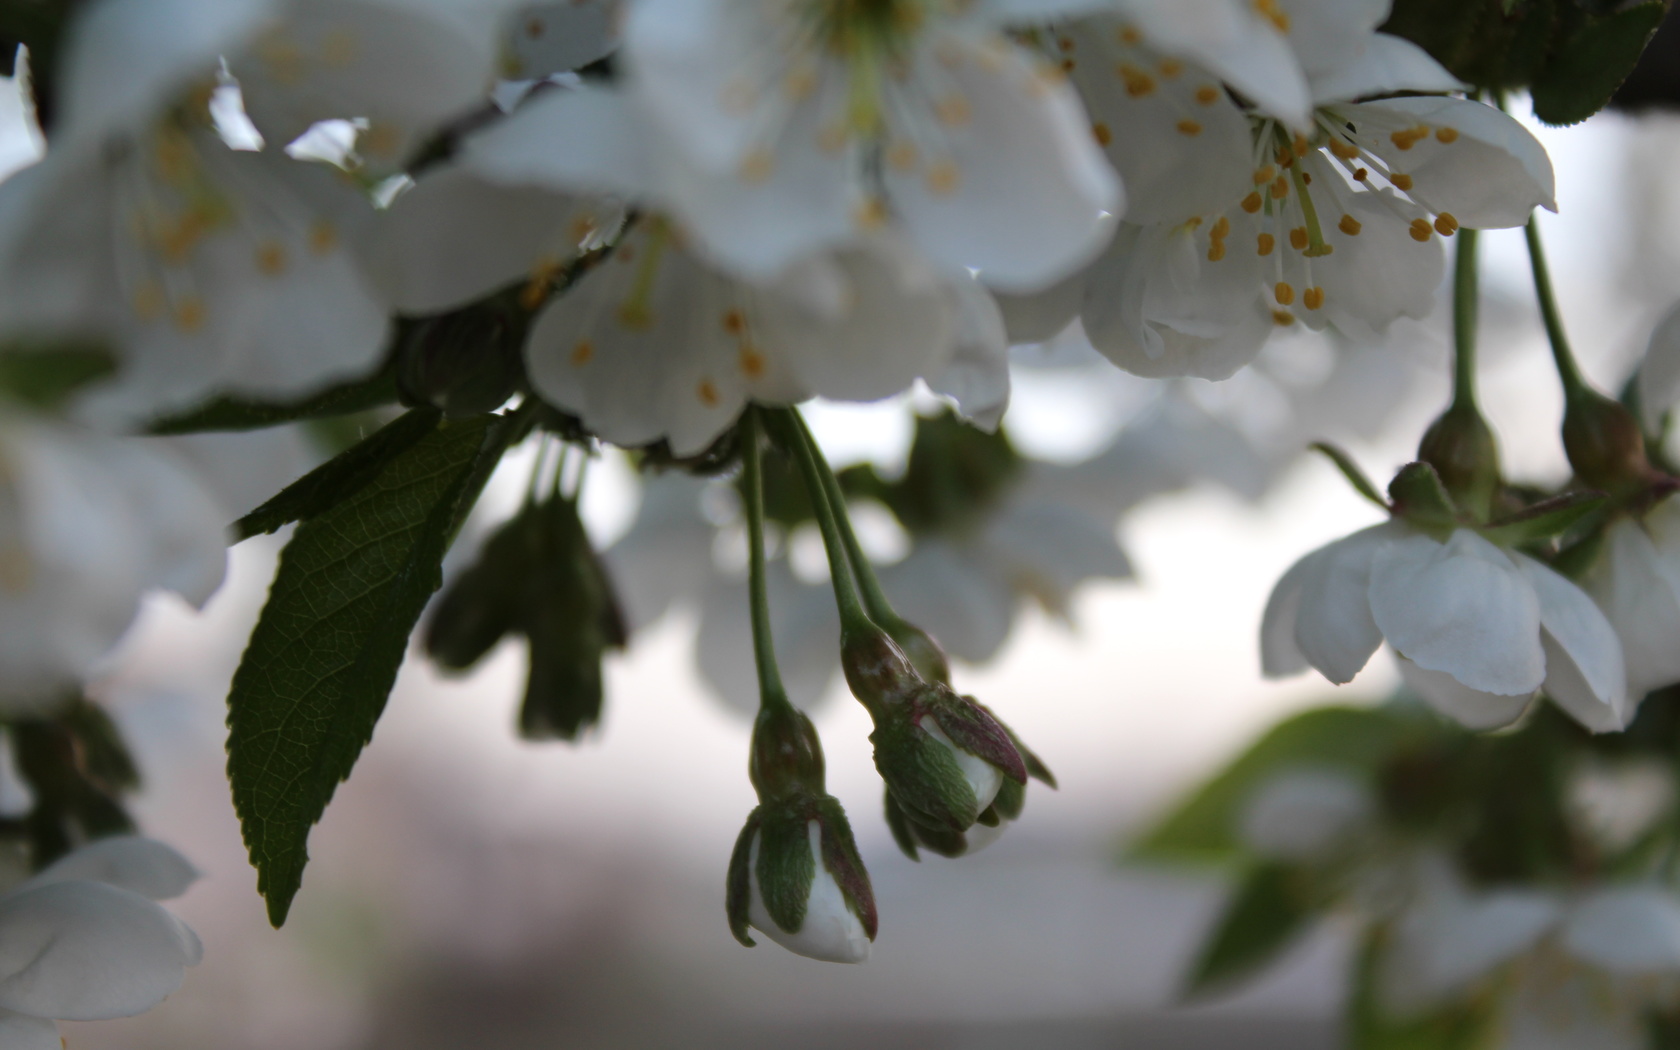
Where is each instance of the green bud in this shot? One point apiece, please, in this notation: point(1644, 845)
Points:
point(1418, 495)
point(795, 875)
point(787, 757)
point(1465, 454)
point(944, 758)
point(877, 671)
point(1604, 444)
point(466, 362)
point(919, 647)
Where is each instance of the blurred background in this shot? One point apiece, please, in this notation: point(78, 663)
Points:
point(471, 889)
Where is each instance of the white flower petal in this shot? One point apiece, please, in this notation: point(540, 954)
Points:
point(454, 238)
point(1181, 146)
point(125, 58)
point(1461, 607)
point(129, 862)
point(23, 1032)
point(1659, 372)
point(1036, 317)
point(897, 322)
point(1234, 41)
point(1493, 174)
point(1279, 653)
point(1471, 708)
point(984, 779)
point(402, 66)
point(1450, 937)
point(557, 37)
point(85, 951)
point(1157, 305)
point(584, 139)
point(1584, 669)
point(1334, 628)
point(1017, 189)
point(1329, 33)
point(831, 931)
point(1390, 64)
point(1626, 929)
point(977, 375)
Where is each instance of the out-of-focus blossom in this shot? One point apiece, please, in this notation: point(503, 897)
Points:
point(1304, 813)
point(83, 940)
point(1479, 629)
point(205, 268)
point(541, 40)
point(770, 117)
point(88, 524)
point(396, 69)
point(1636, 581)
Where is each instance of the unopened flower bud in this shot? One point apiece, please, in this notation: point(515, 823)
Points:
point(1007, 805)
point(1465, 454)
point(1604, 445)
point(944, 758)
point(919, 647)
point(796, 877)
point(877, 671)
point(465, 362)
point(787, 758)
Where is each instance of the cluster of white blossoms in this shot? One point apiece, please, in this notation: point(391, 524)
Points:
point(658, 224)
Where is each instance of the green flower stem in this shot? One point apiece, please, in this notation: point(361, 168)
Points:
point(1465, 300)
point(852, 616)
point(1569, 374)
point(875, 601)
point(770, 689)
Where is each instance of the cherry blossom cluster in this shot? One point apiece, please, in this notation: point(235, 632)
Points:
point(661, 225)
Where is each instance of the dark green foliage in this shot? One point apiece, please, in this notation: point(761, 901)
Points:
point(45, 377)
point(340, 477)
point(1571, 55)
point(537, 576)
point(236, 413)
point(1265, 915)
point(315, 676)
point(78, 768)
point(1203, 828)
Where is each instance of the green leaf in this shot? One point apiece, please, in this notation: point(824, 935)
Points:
point(1544, 520)
point(46, 377)
point(233, 413)
point(1350, 470)
point(1591, 64)
point(1202, 829)
point(1463, 1025)
point(340, 477)
point(325, 652)
point(1267, 913)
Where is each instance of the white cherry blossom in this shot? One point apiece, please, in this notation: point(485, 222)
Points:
point(1567, 969)
point(397, 68)
point(83, 941)
point(777, 112)
point(1337, 224)
point(653, 343)
point(1479, 629)
point(205, 268)
point(1636, 581)
point(88, 524)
